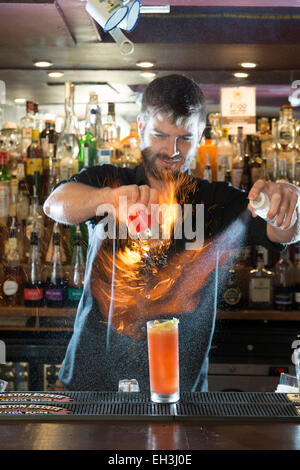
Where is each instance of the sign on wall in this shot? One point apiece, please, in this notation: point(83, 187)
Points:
point(238, 108)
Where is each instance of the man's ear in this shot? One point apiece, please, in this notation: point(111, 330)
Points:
point(139, 125)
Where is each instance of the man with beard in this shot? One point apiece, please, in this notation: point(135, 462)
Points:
point(103, 349)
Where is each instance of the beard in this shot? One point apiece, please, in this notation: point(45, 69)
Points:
point(162, 174)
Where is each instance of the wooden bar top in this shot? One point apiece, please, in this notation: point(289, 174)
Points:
point(118, 435)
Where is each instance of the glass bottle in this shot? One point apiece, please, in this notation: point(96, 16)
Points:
point(214, 120)
point(231, 295)
point(238, 159)
point(69, 134)
point(292, 155)
point(273, 152)
point(93, 134)
point(207, 175)
point(110, 137)
point(285, 127)
point(12, 215)
point(204, 149)
point(75, 287)
point(224, 155)
point(260, 285)
point(264, 133)
point(34, 160)
point(68, 165)
point(39, 121)
point(297, 276)
point(131, 145)
point(282, 172)
point(55, 289)
point(246, 180)
point(35, 217)
point(50, 166)
point(12, 271)
point(283, 283)
point(256, 162)
point(4, 188)
point(33, 288)
point(27, 123)
point(228, 177)
point(243, 268)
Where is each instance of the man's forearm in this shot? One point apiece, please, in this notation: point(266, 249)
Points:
point(74, 203)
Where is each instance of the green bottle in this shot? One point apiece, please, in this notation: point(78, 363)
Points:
point(93, 131)
point(4, 188)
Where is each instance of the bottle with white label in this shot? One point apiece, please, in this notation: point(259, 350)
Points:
point(297, 276)
point(12, 279)
point(260, 285)
point(261, 206)
point(284, 283)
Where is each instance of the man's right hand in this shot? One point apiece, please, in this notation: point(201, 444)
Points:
point(130, 197)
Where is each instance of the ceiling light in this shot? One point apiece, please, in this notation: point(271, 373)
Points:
point(20, 100)
point(55, 74)
point(148, 74)
point(248, 65)
point(145, 64)
point(241, 75)
point(155, 9)
point(42, 63)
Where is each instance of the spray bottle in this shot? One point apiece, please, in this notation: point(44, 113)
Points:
point(261, 205)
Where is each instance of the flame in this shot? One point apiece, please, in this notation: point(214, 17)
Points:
point(147, 282)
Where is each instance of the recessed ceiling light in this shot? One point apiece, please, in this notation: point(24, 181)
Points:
point(55, 74)
point(241, 75)
point(145, 64)
point(43, 63)
point(148, 74)
point(248, 65)
point(20, 100)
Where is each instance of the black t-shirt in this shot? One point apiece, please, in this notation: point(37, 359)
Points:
point(98, 357)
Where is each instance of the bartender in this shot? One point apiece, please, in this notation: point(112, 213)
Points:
point(109, 338)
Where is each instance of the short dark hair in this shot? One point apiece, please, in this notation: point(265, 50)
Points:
point(175, 94)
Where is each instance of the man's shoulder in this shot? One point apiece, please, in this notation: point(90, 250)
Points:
point(219, 191)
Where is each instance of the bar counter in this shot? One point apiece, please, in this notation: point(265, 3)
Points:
point(200, 421)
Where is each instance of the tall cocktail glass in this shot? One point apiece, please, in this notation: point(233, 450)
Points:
point(163, 354)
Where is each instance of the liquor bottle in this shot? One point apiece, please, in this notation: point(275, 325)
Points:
point(264, 133)
point(22, 203)
point(50, 165)
point(12, 271)
point(69, 134)
point(4, 188)
point(273, 152)
point(12, 216)
point(283, 283)
point(238, 159)
point(15, 160)
point(282, 172)
point(256, 161)
point(228, 177)
point(27, 123)
point(131, 145)
point(55, 288)
point(285, 127)
point(45, 135)
point(39, 122)
point(93, 130)
point(204, 149)
point(224, 155)
point(207, 175)
point(260, 285)
point(292, 155)
point(68, 165)
point(34, 160)
point(33, 287)
point(231, 298)
point(35, 216)
point(75, 285)
point(246, 179)
point(296, 276)
point(110, 138)
point(214, 120)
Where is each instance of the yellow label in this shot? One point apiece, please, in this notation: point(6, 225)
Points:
point(34, 164)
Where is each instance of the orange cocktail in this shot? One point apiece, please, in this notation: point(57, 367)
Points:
point(163, 360)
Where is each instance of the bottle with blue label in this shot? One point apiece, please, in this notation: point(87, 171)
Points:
point(56, 286)
point(75, 287)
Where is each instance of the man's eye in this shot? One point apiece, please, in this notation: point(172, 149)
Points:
point(187, 138)
point(157, 134)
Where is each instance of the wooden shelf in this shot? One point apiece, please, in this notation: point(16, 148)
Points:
point(276, 315)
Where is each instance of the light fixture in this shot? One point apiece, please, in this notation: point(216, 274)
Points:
point(241, 75)
point(248, 65)
point(148, 74)
point(43, 63)
point(20, 100)
point(55, 74)
point(155, 9)
point(145, 64)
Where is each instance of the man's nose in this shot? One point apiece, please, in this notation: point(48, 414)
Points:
point(172, 149)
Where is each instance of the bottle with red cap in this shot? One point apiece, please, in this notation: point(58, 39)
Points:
point(4, 188)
